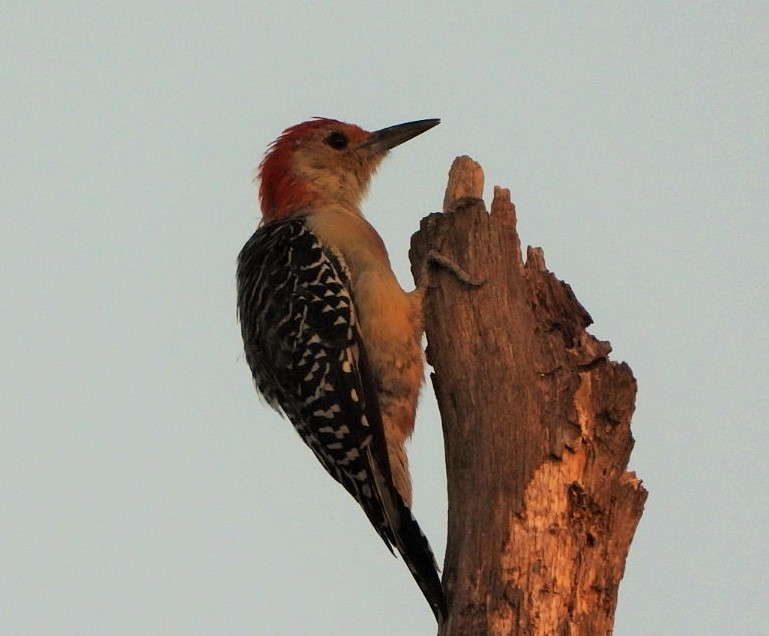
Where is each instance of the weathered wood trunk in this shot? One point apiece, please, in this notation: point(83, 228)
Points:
point(536, 421)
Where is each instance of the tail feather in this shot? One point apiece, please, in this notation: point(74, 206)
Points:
point(415, 550)
point(401, 529)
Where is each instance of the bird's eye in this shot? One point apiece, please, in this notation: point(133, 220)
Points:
point(337, 140)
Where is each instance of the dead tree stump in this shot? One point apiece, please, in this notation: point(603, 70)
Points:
point(536, 422)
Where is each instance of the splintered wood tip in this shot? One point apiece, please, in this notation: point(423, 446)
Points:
point(465, 182)
point(502, 208)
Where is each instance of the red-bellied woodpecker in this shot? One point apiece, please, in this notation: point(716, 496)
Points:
point(332, 339)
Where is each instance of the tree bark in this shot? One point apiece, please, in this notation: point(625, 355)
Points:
point(536, 421)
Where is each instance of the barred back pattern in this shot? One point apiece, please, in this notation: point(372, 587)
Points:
point(303, 345)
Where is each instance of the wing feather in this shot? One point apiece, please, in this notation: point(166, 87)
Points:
point(305, 351)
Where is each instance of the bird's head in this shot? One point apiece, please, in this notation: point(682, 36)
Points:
point(325, 162)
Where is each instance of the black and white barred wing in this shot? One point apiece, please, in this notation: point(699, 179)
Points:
point(303, 346)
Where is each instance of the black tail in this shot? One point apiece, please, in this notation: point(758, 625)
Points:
point(416, 552)
point(392, 519)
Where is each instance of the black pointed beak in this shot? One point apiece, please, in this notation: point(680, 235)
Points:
point(383, 140)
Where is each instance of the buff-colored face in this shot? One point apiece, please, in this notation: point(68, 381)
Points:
point(335, 162)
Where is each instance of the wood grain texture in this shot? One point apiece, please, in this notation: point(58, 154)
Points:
point(536, 421)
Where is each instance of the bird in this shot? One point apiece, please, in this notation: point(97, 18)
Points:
point(332, 340)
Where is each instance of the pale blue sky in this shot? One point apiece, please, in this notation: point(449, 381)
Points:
point(144, 488)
